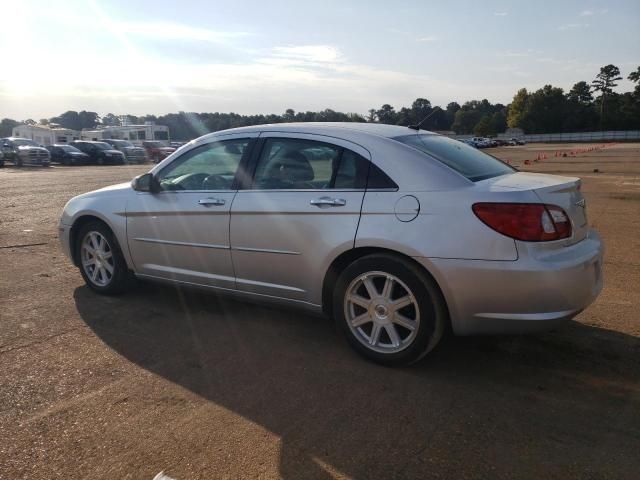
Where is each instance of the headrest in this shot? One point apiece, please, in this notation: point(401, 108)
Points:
point(292, 166)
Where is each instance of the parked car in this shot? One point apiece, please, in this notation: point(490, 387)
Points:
point(469, 141)
point(131, 153)
point(516, 141)
point(24, 152)
point(177, 145)
point(67, 154)
point(399, 235)
point(481, 142)
point(1, 159)
point(99, 152)
point(156, 151)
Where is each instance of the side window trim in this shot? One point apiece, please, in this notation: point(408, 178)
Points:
point(334, 173)
point(373, 170)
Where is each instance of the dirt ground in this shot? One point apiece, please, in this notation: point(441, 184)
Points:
point(205, 387)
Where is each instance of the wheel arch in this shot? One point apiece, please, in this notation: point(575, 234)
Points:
point(351, 255)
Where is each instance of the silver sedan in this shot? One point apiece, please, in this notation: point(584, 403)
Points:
point(398, 234)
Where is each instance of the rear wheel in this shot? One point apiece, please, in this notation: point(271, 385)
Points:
point(102, 264)
point(389, 310)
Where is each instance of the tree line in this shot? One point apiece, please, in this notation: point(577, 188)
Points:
point(585, 107)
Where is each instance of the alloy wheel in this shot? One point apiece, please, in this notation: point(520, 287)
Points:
point(97, 259)
point(381, 312)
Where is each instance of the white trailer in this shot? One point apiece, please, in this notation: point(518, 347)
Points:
point(136, 134)
point(46, 135)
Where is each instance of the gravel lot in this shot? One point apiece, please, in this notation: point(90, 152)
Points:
point(205, 387)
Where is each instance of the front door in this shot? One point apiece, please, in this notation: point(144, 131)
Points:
point(182, 232)
point(301, 209)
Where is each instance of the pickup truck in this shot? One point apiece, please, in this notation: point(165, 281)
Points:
point(24, 152)
point(156, 151)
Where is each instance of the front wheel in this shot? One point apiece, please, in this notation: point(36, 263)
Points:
point(390, 311)
point(100, 258)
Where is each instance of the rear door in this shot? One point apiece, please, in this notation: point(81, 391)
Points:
point(300, 209)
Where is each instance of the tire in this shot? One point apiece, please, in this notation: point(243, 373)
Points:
point(369, 321)
point(92, 235)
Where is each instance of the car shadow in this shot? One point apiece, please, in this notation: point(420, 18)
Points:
point(562, 404)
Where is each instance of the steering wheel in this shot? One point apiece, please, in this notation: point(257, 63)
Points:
point(215, 182)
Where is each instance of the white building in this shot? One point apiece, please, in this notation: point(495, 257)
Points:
point(45, 134)
point(134, 133)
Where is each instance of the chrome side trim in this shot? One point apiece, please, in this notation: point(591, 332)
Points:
point(183, 271)
point(264, 250)
point(268, 285)
point(237, 293)
point(176, 213)
point(182, 244)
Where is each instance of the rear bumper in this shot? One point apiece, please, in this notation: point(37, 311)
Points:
point(526, 295)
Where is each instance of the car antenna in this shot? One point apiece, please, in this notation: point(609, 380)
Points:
point(419, 124)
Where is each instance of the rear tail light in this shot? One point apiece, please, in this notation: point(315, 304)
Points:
point(530, 222)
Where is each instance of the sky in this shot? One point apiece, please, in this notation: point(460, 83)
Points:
point(155, 57)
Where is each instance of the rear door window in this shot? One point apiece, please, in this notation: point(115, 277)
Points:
point(301, 164)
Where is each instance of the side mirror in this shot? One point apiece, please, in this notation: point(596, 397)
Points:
point(145, 183)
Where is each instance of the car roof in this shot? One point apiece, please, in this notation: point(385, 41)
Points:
point(378, 129)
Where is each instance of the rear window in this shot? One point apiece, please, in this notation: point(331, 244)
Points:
point(463, 158)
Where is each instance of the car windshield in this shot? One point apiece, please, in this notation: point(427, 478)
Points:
point(70, 149)
point(122, 143)
point(153, 144)
point(103, 146)
point(24, 143)
point(464, 159)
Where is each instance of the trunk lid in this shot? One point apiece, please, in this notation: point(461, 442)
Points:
point(552, 190)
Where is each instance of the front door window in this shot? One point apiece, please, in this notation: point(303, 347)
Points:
point(208, 167)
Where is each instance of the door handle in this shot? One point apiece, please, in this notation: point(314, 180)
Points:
point(207, 202)
point(326, 202)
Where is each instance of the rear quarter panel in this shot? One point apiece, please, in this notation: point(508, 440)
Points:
point(445, 227)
